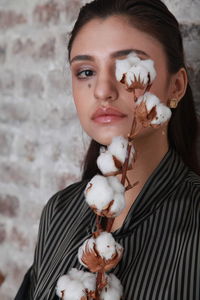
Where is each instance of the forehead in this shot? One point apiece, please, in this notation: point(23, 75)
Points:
point(103, 36)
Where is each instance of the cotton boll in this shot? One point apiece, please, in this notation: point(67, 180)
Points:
point(118, 148)
point(122, 66)
point(151, 101)
point(88, 244)
point(132, 154)
point(118, 204)
point(138, 73)
point(115, 184)
point(98, 193)
point(106, 163)
point(89, 281)
point(140, 99)
point(149, 65)
point(106, 245)
point(113, 290)
point(76, 274)
point(163, 114)
point(102, 150)
point(75, 291)
point(102, 199)
point(142, 70)
point(62, 284)
point(134, 69)
point(115, 282)
point(103, 256)
point(133, 59)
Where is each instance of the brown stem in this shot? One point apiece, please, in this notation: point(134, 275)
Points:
point(98, 224)
point(101, 275)
point(128, 187)
point(109, 224)
point(98, 285)
point(126, 163)
point(124, 169)
point(63, 294)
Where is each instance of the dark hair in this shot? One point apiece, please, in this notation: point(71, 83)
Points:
point(153, 17)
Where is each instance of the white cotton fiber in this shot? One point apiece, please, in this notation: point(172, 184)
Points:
point(75, 274)
point(106, 163)
point(62, 284)
point(87, 245)
point(118, 148)
point(163, 114)
point(87, 279)
point(150, 100)
point(104, 190)
point(140, 99)
point(106, 245)
point(114, 289)
point(73, 289)
point(98, 193)
point(135, 69)
point(116, 185)
point(123, 65)
point(119, 199)
point(118, 204)
point(149, 65)
point(132, 58)
point(138, 73)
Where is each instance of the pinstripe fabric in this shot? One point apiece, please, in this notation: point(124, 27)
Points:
point(160, 236)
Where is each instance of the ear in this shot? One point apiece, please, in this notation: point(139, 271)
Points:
point(179, 84)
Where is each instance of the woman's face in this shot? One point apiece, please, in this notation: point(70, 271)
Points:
point(104, 107)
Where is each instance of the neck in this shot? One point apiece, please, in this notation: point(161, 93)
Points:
point(150, 149)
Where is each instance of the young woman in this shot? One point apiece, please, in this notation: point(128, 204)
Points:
point(160, 226)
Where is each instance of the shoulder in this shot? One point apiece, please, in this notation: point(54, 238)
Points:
point(71, 192)
point(61, 199)
point(191, 191)
point(192, 183)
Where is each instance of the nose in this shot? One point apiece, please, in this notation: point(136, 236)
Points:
point(106, 88)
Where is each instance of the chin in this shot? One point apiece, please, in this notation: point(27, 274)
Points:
point(106, 139)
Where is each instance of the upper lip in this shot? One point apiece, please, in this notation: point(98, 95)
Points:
point(108, 111)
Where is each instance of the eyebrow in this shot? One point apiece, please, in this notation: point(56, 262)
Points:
point(115, 54)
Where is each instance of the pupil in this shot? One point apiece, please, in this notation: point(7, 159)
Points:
point(87, 72)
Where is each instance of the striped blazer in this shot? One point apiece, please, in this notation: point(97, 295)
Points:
point(160, 236)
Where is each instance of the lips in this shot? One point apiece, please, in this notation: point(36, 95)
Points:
point(107, 115)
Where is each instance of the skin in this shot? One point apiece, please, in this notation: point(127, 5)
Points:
point(94, 86)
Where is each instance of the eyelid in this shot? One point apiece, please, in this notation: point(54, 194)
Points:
point(82, 70)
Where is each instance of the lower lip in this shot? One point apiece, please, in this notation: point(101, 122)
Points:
point(108, 119)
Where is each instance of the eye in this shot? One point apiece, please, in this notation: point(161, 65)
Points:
point(85, 74)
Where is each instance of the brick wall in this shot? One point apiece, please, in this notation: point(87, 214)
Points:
point(38, 156)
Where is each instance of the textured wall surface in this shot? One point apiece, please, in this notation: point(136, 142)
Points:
point(41, 142)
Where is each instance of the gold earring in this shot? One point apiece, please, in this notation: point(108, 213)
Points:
point(173, 103)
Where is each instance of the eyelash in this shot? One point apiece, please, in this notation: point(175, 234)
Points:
point(78, 74)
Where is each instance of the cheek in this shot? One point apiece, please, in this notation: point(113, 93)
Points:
point(83, 107)
point(161, 88)
point(78, 100)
